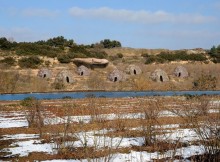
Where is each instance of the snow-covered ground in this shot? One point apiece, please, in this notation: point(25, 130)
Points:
point(11, 119)
point(98, 139)
point(89, 118)
point(144, 156)
point(182, 135)
point(215, 103)
point(19, 136)
point(18, 119)
point(23, 148)
point(23, 144)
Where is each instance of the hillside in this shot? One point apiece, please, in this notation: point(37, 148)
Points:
point(21, 63)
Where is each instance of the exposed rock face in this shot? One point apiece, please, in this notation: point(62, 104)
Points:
point(116, 75)
point(64, 76)
point(91, 61)
point(181, 72)
point(44, 73)
point(83, 71)
point(159, 76)
point(133, 70)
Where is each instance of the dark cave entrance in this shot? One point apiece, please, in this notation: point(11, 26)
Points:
point(135, 72)
point(161, 78)
point(67, 79)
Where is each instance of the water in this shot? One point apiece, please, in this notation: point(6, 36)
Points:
point(113, 94)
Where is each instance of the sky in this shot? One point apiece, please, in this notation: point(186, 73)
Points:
point(169, 24)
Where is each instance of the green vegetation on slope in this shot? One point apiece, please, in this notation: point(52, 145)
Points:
point(65, 50)
point(59, 47)
point(214, 53)
point(174, 56)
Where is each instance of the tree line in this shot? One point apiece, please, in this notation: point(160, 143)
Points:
point(66, 49)
point(55, 46)
point(60, 47)
point(60, 42)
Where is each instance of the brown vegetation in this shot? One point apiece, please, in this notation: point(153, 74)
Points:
point(191, 113)
point(27, 80)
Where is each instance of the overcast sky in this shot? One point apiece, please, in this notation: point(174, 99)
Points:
point(171, 24)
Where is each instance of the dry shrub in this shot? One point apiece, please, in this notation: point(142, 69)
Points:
point(205, 82)
point(35, 113)
point(64, 136)
point(150, 110)
point(196, 115)
point(95, 82)
point(120, 123)
point(141, 83)
point(94, 110)
point(8, 81)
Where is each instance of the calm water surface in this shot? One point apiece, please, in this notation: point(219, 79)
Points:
point(113, 94)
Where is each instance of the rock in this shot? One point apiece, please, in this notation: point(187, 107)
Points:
point(91, 61)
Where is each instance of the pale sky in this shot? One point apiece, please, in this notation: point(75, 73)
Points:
point(171, 24)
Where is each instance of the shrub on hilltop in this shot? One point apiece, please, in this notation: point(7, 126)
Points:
point(59, 47)
point(174, 56)
point(30, 62)
point(214, 53)
point(181, 56)
point(107, 43)
point(6, 44)
point(27, 49)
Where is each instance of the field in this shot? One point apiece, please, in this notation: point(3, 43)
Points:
point(111, 129)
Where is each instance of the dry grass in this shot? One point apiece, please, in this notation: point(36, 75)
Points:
point(96, 106)
point(29, 82)
point(129, 52)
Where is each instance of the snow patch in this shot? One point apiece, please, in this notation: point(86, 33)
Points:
point(135, 156)
point(12, 120)
point(19, 136)
point(23, 148)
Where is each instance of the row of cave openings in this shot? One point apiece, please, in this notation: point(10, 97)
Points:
point(161, 77)
point(115, 79)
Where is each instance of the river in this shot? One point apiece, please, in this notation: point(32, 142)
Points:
point(111, 94)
